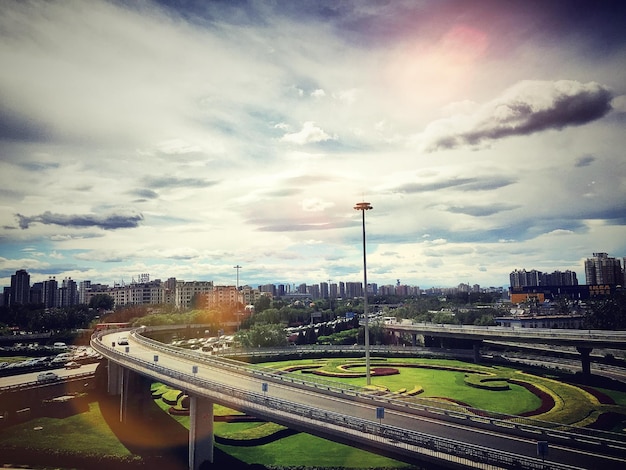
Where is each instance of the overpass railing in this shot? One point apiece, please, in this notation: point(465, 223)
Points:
point(512, 423)
point(405, 441)
point(36, 383)
point(593, 336)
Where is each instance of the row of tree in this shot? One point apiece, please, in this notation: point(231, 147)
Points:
point(604, 313)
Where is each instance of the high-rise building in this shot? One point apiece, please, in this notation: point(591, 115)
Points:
point(50, 293)
point(36, 293)
point(602, 269)
point(68, 293)
point(83, 288)
point(354, 290)
point(334, 292)
point(522, 278)
point(269, 289)
point(560, 278)
point(324, 293)
point(314, 291)
point(20, 288)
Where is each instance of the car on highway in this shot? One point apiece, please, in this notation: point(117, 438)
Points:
point(122, 340)
point(72, 365)
point(47, 377)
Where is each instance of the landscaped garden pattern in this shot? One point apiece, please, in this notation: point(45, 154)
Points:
point(442, 383)
point(439, 382)
point(254, 441)
point(494, 388)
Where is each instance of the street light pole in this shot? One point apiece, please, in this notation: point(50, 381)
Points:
point(237, 268)
point(365, 206)
point(237, 296)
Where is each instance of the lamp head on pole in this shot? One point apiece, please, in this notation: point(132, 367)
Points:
point(363, 206)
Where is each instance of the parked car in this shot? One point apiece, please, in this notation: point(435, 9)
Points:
point(47, 377)
point(72, 365)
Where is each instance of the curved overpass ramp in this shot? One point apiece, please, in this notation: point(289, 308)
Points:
point(583, 340)
point(559, 336)
point(344, 414)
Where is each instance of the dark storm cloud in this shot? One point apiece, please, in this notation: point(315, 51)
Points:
point(107, 222)
point(527, 110)
point(463, 184)
point(174, 182)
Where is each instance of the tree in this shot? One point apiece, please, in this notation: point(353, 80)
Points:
point(263, 336)
point(262, 303)
point(310, 337)
point(102, 302)
point(608, 313)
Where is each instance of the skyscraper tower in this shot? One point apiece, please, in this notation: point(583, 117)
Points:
point(601, 269)
point(20, 288)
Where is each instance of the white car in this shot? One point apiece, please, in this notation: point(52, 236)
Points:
point(122, 340)
point(47, 377)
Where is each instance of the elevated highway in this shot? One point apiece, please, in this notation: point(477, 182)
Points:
point(413, 433)
point(583, 340)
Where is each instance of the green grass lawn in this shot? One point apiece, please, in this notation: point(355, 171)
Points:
point(572, 405)
point(89, 433)
point(304, 450)
point(438, 383)
point(92, 434)
point(301, 450)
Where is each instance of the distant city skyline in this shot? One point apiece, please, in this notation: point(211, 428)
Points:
point(598, 268)
point(182, 139)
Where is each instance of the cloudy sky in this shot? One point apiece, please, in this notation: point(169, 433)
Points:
point(182, 138)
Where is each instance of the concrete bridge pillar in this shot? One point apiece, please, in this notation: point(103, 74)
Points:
point(114, 383)
point(200, 431)
point(585, 359)
point(476, 346)
point(133, 394)
point(413, 339)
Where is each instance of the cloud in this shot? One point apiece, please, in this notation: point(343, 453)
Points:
point(309, 134)
point(315, 205)
point(38, 165)
point(145, 193)
point(560, 232)
point(177, 147)
point(461, 183)
point(181, 253)
point(585, 161)
point(524, 109)
point(107, 222)
point(303, 226)
point(174, 182)
point(101, 256)
point(481, 211)
point(14, 127)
